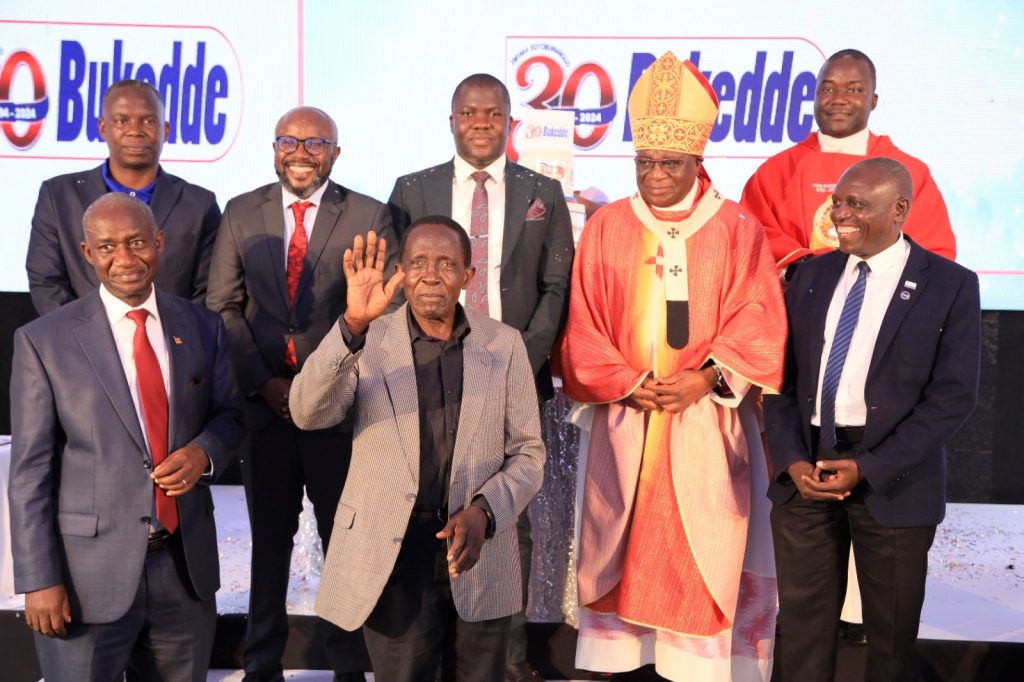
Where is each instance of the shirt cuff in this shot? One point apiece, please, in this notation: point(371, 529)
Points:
point(354, 342)
point(481, 501)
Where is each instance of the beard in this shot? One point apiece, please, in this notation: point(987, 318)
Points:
point(305, 192)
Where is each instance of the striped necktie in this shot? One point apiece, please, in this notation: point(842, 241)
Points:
point(837, 355)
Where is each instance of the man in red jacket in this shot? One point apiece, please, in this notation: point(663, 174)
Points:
point(791, 193)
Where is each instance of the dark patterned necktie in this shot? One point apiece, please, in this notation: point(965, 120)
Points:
point(476, 295)
point(153, 398)
point(837, 355)
point(297, 246)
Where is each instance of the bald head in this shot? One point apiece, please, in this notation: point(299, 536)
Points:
point(305, 149)
point(121, 204)
point(888, 172)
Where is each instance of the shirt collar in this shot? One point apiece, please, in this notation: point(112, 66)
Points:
point(882, 261)
point(855, 145)
point(459, 329)
point(463, 170)
point(117, 309)
point(145, 194)
point(315, 198)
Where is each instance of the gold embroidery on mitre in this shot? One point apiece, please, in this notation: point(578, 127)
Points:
point(672, 107)
point(823, 232)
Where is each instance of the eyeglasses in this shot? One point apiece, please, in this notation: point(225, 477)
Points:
point(286, 144)
point(669, 166)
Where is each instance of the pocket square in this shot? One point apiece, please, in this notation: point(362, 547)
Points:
point(537, 210)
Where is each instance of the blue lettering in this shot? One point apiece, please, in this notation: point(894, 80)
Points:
point(216, 88)
point(798, 127)
point(776, 92)
point(192, 94)
point(748, 99)
point(70, 109)
point(724, 86)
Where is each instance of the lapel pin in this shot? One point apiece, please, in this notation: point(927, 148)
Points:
point(905, 295)
point(177, 340)
point(910, 285)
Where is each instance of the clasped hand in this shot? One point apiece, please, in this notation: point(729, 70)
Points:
point(673, 393)
point(367, 294)
point(826, 480)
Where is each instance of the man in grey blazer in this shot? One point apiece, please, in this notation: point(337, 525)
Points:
point(522, 252)
point(112, 524)
point(276, 279)
point(133, 126)
point(447, 454)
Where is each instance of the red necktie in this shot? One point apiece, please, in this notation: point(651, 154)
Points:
point(297, 246)
point(153, 397)
point(476, 296)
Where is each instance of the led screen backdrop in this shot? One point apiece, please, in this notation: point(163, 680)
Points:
point(950, 85)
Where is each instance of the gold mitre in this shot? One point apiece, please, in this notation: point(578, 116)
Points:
point(672, 107)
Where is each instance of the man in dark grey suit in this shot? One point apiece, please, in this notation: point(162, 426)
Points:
point(134, 128)
point(124, 407)
point(522, 249)
point(277, 281)
point(881, 372)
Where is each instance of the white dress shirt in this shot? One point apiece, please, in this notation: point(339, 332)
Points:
point(124, 338)
point(463, 185)
point(287, 199)
point(886, 269)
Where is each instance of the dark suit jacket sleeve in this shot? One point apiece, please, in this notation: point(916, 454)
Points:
point(784, 427)
point(399, 212)
point(948, 398)
point(552, 278)
point(48, 280)
point(227, 296)
point(204, 251)
point(33, 477)
point(223, 430)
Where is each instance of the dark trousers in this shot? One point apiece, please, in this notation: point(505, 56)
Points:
point(415, 619)
point(517, 633)
point(167, 633)
point(282, 461)
point(812, 543)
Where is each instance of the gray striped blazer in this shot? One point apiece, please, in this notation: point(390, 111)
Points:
point(498, 453)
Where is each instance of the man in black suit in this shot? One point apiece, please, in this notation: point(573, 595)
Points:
point(882, 370)
point(134, 128)
point(522, 250)
point(276, 279)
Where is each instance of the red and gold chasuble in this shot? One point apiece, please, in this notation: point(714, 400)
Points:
point(666, 496)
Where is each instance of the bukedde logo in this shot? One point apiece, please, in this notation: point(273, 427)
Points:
point(195, 70)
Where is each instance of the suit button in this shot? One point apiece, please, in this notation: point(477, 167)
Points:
point(145, 520)
point(411, 497)
point(145, 465)
point(397, 541)
point(292, 329)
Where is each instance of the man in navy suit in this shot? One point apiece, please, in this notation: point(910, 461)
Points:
point(124, 407)
point(882, 370)
point(133, 125)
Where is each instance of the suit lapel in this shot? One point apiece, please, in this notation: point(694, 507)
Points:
point(826, 282)
point(90, 187)
point(165, 197)
point(476, 370)
point(400, 380)
point(903, 299)
point(273, 227)
point(177, 328)
point(97, 342)
point(327, 215)
point(519, 184)
point(437, 189)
